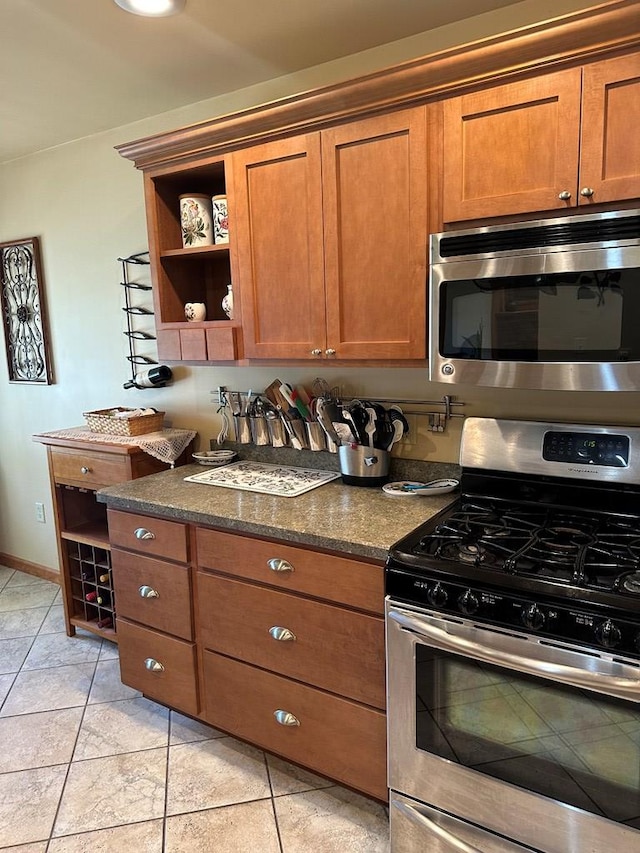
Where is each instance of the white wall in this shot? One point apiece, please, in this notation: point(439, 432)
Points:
point(86, 204)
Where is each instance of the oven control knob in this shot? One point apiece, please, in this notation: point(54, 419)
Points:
point(608, 634)
point(437, 595)
point(468, 603)
point(532, 617)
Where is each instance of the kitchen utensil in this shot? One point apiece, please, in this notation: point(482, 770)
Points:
point(398, 432)
point(344, 433)
point(409, 487)
point(371, 427)
point(293, 399)
point(295, 441)
point(348, 416)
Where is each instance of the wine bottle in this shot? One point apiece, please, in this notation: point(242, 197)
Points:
point(107, 622)
point(91, 596)
point(104, 578)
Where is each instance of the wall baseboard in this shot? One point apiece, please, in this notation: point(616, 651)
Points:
point(29, 568)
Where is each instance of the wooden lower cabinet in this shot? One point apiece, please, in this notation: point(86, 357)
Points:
point(162, 667)
point(330, 735)
point(326, 646)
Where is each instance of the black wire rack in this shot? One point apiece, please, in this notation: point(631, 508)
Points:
point(138, 362)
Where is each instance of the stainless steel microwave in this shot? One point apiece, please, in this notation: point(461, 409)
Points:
point(551, 304)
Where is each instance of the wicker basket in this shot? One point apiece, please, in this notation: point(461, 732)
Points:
point(103, 421)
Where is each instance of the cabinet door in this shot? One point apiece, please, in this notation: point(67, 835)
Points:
point(512, 149)
point(278, 197)
point(374, 176)
point(610, 149)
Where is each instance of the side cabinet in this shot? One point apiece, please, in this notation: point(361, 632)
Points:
point(292, 648)
point(152, 581)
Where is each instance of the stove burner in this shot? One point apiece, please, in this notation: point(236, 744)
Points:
point(566, 546)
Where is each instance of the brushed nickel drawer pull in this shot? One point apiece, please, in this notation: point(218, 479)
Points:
point(565, 195)
point(282, 634)
point(587, 192)
point(143, 533)
point(148, 592)
point(278, 565)
point(286, 718)
point(153, 665)
point(85, 470)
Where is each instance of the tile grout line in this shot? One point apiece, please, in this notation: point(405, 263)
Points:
point(273, 802)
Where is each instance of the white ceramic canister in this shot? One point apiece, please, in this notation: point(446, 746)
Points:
point(196, 220)
point(195, 312)
point(220, 219)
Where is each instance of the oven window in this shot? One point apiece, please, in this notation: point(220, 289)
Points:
point(572, 317)
point(577, 747)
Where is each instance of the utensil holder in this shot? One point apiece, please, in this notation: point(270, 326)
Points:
point(363, 466)
point(259, 430)
point(277, 432)
point(242, 428)
point(299, 430)
point(315, 435)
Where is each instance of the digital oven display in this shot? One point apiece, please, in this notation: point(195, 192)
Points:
point(586, 448)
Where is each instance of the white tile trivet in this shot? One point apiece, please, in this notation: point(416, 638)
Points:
point(281, 480)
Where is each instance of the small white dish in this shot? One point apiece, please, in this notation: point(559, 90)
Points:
point(404, 488)
point(214, 458)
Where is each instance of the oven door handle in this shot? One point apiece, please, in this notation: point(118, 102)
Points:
point(626, 685)
point(415, 816)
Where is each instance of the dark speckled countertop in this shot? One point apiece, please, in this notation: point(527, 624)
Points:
point(362, 522)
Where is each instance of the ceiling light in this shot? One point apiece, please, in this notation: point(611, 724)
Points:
point(152, 8)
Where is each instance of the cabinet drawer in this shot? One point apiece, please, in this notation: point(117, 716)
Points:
point(339, 579)
point(335, 737)
point(86, 468)
point(167, 539)
point(331, 647)
point(152, 592)
point(175, 683)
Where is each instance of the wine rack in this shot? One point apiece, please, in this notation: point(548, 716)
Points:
point(91, 584)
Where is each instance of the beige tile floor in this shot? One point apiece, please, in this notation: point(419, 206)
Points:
point(87, 764)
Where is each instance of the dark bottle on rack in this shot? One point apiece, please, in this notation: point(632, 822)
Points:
point(91, 596)
point(107, 622)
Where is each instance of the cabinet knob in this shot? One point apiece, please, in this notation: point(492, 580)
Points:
point(282, 634)
point(587, 192)
point(278, 565)
point(330, 351)
point(148, 592)
point(286, 718)
point(143, 533)
point(153, 665)
point(316, 352)
point(85, 470)
point(565, 195)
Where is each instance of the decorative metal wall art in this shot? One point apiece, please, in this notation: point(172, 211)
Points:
point(23, 312)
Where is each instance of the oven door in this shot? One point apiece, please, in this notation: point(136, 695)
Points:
point(536, 741)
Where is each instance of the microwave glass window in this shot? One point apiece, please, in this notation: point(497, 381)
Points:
point(572, 745)
point(572, 317)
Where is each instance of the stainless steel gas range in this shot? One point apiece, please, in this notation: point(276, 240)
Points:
point(513, 636)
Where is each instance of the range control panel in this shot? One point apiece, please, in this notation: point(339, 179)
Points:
point(598, 628)
point(586, 448)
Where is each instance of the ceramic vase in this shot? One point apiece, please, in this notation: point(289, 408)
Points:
point(227, 302)
point(196, 220)
point(220, 219)
point(195, 312)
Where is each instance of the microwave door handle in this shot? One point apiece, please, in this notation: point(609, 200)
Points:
point(415, 816)
point(586, 679)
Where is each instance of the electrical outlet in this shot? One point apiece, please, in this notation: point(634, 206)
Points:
point(40, 512)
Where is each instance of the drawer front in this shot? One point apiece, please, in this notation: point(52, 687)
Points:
point(87, 469)
point(155, 536)
point(175, 683)
point(335, 737)
point(321, 644)
point(339, 579)
point(152, 592)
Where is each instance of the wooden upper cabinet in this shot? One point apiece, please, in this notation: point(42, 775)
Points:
point(513, 148)
point(278, 221)
point(610, 147)
point(331, 242)
point(549, 143)
point(375, 235)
